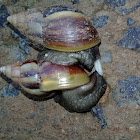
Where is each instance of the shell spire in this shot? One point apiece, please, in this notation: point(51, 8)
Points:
point(29, 23)
point(11, 71)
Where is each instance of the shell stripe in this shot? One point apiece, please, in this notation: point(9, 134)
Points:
point(31, 85)
point(71, 30)
point(30, 74)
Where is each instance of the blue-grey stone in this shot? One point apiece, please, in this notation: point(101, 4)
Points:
point(131, 39)
point(3, 15)
point(10, 91)
point(31, 116)
point(40, 107)
point(14, 1)
point(98, 112)
point(130, 21)
point(100, 21)
point(106, 57)
point(14, 34)
point(24, 45)
point(75, 1)
point(20, 56)
point(115, 3)
point(127, 92)
point(122, 6)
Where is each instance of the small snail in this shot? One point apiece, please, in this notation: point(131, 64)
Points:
point(38, 78)
point(71, 52)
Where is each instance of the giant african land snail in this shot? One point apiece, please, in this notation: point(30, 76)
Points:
point(72, 46)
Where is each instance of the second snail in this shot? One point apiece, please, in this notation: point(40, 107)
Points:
point(69, 68)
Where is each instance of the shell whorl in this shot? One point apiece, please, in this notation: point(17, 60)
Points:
point(58, 27)
point(41, 77)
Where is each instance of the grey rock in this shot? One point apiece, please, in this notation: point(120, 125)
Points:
point(75, 1)
point(3, 15)
point(98, 112)
point(10, 91)
point(122, 7)
point(127, 92)
point(100, 21)
point(106, 57)
point(130, 21)
point(24, 45)
point(131, 39)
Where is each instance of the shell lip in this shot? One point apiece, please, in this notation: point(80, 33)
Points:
point(74, 48)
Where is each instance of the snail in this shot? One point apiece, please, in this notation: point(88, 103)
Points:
point(77, 91)
point(41, 77)
point(65, 31)
point(69, 67)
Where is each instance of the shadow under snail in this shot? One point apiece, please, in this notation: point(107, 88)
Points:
point(69, 67)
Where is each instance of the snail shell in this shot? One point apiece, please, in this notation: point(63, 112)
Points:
point(60, 28)
point(38, 78)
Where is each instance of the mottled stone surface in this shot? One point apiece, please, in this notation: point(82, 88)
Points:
point(100, 21)
point(10, 91)
point(98, 112)
point(24, 45)
point(123, 7)
point(127, 92)
point(24, 119)
point(130, 21)
point(3, 15)
point(106, 57)
point(131, 39)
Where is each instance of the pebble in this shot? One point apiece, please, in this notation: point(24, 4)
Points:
point(132, 128)
point(127, 91)
point(20, 56)
point(15, 33)
point(122, 7)
point(115, 3)
point(130, 21)
point(131, 39)
point(75, 1)
point(14, 1)
point(10, 91)
point(24, 45)
point(100, 21)
point(106, 57)
point(3, 15)
point(30, 116)
point(98, 112)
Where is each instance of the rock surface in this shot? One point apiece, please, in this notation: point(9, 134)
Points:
point(24, 119)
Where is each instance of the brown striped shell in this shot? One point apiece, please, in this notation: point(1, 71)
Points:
point(58, 27)
point(38, 78)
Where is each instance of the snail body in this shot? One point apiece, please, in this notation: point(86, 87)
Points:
point(83, 98)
